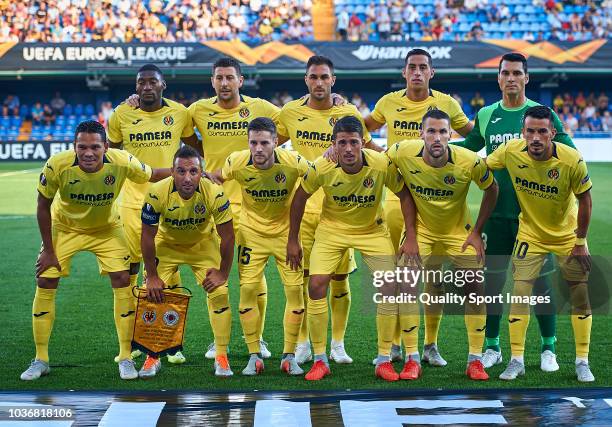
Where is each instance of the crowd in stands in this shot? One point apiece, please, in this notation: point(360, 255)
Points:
point(83, 21)
point(584, 114)
point(456, 20)
point(55, 119)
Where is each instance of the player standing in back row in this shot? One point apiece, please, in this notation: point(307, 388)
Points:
point(496, 124)
point(153, 133)
point(402, 111)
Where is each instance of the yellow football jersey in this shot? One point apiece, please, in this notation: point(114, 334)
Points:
point(545, 189)
point(185, 222)
point(440, 193)
point(225, 131)
point(310, 132)
point(266, 194)
point(152, 137)
point(86, 200)
point(403, 116)
point(353, 202)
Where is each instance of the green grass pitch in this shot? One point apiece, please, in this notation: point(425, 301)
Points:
point(84, 342)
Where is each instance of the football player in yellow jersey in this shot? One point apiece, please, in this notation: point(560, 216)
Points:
point(153, 132)
point(268, 177)
point(548, 178)
point(76, 212)
point(222, 121)
point(402, 112)
point(187, 220)
point(351, 218)
point(439, 178)
point(308, 122)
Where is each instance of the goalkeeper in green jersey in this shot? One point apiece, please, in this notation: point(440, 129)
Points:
point(496, 124)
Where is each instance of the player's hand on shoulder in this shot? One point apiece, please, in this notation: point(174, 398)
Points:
point(46, 260)
point(581, 254)
point(214, 279)
point(331, 154)
point(155, 289)
point(294, 255)
point(338, 100)
point(133, 101)
point(475, 240)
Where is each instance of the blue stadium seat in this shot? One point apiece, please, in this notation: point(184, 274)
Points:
point(519, 9)
point(24, 111)
point(68, 110)
point(515, 26)
point(89, 109)
point(535, 27)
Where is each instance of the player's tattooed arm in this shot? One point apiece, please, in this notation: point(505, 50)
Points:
point(218, 277)
point(194, 142)
point(160, 173)
point(294, 249)
point(47, 257)
point(409, 248)
point(465, 130)
point(581, 251)
point(372, 124)
point(282, 139)
point(216, 176)
point(155, 285)
point(474, 239)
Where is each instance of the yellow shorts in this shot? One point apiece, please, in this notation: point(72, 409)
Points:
point(308, 229)
point(394, 220)
point(434, 250)
point(132, 226)
point(254, 250)
point(330, 248)
point(200, 256)
point(528, 257)
point(108, 245)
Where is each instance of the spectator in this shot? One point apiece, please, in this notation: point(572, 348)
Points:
point(571, 123)
point(37, 112)
point(607, 121)
point(581, 102)
point(354, 27)
point(476, 33)
point(343, 24)
point(477, 102)
point(384, 26)
point(602, 103)
point(48, 115)
point(58, 103)
point(504, 12)
point(595, 123)
point(589, 111)
point(10, 105)
point(411, 18)
point(558, 103)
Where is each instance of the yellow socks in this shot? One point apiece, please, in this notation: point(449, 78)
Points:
point(340, 302)
point(43, 315)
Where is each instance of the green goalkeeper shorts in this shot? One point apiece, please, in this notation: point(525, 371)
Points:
point(499, 236)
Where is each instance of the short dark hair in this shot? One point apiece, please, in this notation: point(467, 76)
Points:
point(418, 51)
point(348, 124)
point(226, 61)
point(90, 126)
point(187, 152)
point(320, 60)
point(513, 57)
point(151, 67)
point(436, 114)
point(262, 124)
point(538, 112)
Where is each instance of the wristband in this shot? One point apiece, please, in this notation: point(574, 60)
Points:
point(581, 241)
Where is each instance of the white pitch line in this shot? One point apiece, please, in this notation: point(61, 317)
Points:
point(21, 172)
point(6, 217)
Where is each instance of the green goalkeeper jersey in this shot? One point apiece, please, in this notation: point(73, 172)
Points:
point(496, 124)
